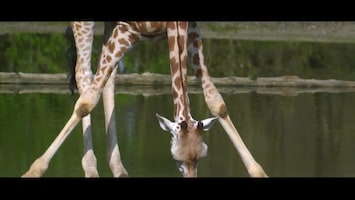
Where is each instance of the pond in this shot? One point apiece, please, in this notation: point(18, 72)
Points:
point(291, 132)
point(302, 135)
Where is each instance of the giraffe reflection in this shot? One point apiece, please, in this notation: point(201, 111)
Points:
point(187, 145)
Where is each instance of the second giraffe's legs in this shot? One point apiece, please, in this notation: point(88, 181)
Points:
point(215, 101)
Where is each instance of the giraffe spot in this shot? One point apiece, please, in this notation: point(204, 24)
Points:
point(175, 94)
point(171, 41)
point(109, 59)
point(77, 26)
point(177, 83)
point(183, 25)
point(132, 38)
point(223, 112)
point(83, 109)
point(98, 79)
point(170, 25)
point(173, 65)
point(123, 41)
point(111, 46)
point(183, 62)
point(158, 26)
point(120, 52)
point(115, 33)
point(185, 110)
point(142, 27)
point(181, 43)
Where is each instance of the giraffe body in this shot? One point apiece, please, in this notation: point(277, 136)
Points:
point(187, 145)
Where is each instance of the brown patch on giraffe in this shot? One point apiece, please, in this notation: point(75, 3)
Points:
point(170, 25)
point(88, 40)
point(77, 26)
point(132, 38)
point(142, 27)
point(183, 25)
point(158, 26)
point(183, 61)
point(183, 102)
point(111, 46)
point(115, 33)
point(181, 118)
point(223, 112)
point(98, 78)
point(171, 41)
point(177, 83)
point(173, 65)
point(81, 61)
point(181, 43)
point(175, 94)
point(109, 58)
point(123, 41)
point(178, 107)
point(83, 109)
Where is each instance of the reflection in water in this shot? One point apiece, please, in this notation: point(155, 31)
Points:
point(310, 134)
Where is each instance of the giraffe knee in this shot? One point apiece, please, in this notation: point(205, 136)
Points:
point(218, 109)
point(83, 107)
point(223, 110)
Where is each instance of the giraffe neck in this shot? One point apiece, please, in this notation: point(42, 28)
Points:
point(178, 53)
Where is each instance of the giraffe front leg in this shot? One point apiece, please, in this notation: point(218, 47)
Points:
point(40, 165)
point(215, 102)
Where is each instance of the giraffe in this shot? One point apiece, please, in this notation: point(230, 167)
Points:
point(187, 145)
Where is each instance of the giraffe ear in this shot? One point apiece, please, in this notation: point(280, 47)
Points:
point(208, 123)
point(165, 124)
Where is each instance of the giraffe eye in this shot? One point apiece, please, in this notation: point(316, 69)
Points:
point(200, 125)
point(183, 125)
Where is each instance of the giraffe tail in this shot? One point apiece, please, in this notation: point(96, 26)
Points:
point(71, 57)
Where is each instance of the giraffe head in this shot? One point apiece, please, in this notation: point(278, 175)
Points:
point(187, 145)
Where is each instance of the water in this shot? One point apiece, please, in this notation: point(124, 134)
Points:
point(305, 135)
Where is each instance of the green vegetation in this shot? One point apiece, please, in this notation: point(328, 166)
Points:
point(48, 53)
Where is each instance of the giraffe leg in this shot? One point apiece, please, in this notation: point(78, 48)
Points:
point(122, 38)
point(113, 154)
point(83, 36)
point(83, 75)
point(215, 101)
